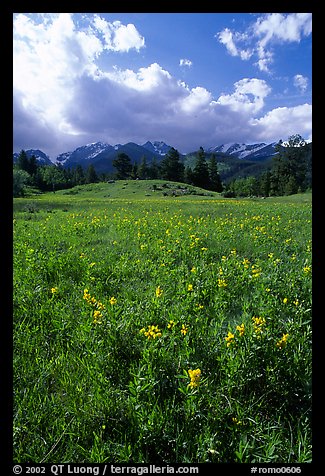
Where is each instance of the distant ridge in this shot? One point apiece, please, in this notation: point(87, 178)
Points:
point(244, 151)
point(101, 154)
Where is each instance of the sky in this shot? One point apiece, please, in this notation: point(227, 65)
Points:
point(188, 79)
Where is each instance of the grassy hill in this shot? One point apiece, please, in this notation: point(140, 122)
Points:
point(132, 190)
point(119, 190)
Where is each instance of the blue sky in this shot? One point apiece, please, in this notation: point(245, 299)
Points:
point(189, 79)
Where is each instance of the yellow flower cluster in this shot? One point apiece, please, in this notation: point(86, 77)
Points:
point(152, 332)
point(246, 263)
point(195, 376)
point(97, 305)
point(171, 324)
point(159, 291)
point(222, 283)
point(236, 421)
point(283, 341)
point(256, 272)
point(241, 329)
point(259, 322)
point(230, 338)
point(184, 330)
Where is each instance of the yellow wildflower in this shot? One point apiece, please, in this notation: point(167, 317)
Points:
point(100, 305)
point(87, 296)
point(230, 338)
point(195, 376)
point(112, 301)
point(256, 272)
point(184, 330)
point(241, 329)
point(258, 325)
point(222, 283)
point(97, 316)
point(246, 263)
point(152, 332)
point(190, 287)
point(236, 421)
point(283, 341)
point(258, 321)
point(159, 291)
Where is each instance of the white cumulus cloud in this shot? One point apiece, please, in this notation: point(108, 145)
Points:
point(284, 122)
point(118, 37)
point(197, 99)
point(300, 82)
point(63, 98)
point(249, 95)
point(229, 39)
point(269, 29)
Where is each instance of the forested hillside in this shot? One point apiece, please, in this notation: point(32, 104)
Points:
point(287, 171)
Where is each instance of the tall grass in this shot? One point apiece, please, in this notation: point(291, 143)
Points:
point(161, 329)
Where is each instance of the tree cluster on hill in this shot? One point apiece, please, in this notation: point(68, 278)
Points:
point(28, 172)
point(290, 173)
point(205, 173)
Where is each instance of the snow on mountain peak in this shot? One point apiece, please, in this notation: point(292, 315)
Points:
point(159, 147)
point(242, 150)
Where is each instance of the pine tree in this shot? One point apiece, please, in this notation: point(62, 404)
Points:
point(123, 166)
point(171, 166)
point(91, 176)
point(290, 171)
point(215, 181)
point(188, 175)
point(32, 166)
point(143, 170)
point(153, 169)
point(78, 175)
point(201, 171)
point(23, 161)
point(265, 184)
point(134, 172)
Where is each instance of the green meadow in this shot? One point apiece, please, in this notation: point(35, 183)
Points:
point(159, 324)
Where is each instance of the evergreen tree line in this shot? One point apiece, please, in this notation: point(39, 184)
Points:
point(28, 172)
point(204, 174)
point(290, 173)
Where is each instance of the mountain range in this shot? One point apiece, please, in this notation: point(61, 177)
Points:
point(101, 155)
